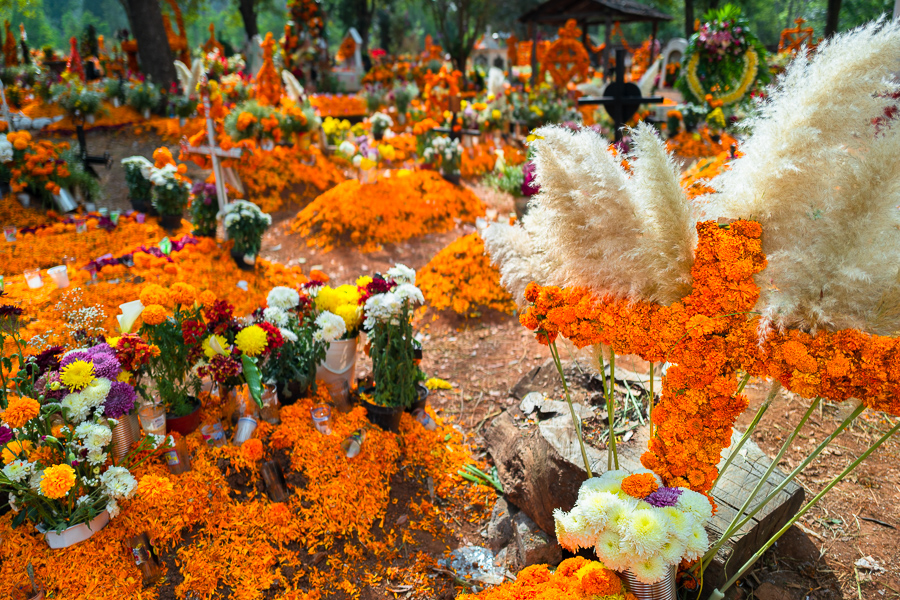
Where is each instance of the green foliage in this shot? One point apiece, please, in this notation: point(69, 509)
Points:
point(506, 178)
point(245, 224)
point(139, 187)
point(393, 361)
point(143, 96)
point(171, 370)
point(78, 101)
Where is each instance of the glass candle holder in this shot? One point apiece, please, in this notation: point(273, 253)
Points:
point(321, 416)
point(80, 225)
point(114, 216)
point(33, 278)
point(245, 428)
point(59, 275)
point(178, 459)
point(353, 444)
point(9, 232)
point(153, 418)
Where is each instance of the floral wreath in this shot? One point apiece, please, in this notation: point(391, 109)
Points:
point(566, 58)
point(748, 76)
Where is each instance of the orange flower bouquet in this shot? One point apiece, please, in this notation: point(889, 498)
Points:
point(575, 579)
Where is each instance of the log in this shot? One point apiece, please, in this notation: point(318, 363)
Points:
point(541, 468)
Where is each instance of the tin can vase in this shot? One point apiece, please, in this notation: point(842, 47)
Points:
point(664, 589)
point(122, 437)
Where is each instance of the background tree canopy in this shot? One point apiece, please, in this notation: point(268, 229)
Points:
point(397, 25)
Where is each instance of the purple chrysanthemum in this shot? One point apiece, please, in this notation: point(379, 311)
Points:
point(105, 362)
point(73, 356)
point(120, 400)
point(664, 496)
point(6, 435)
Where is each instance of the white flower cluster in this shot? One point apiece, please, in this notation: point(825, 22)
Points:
point(241, 209)
point(283, 298)
point(444, 147)
point(80, 404)
point(402, 274)
point(628, 533)
point(330, 327)
point(118, 483)
point(347, 148)
point(140, 162)
point(166, 177)
point(386, 307)
point(6, 149)
point(18, 470)
point(94, 438)
point(381, 121)
point(275, 316)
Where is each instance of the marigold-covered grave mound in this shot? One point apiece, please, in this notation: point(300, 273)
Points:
point(396, 208)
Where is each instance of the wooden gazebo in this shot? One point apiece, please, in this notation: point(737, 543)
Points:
point(591, 12)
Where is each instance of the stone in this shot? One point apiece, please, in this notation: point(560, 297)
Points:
point(499, 530)
point(534, 546)
point(770, 591)
point(475, 563)
point(545, 407)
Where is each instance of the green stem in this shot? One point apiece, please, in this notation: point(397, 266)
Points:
point(575, 420)
point(650, 403)
point(815, 453)
point(602, 365)
point(759, 414)
point(764, 479)
point(719, 594)
point(612, 455)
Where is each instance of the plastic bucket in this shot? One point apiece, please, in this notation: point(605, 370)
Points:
point(338, 370)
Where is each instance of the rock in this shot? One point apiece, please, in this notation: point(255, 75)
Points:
point(499, 531)
point(769, 591)
point(475, 563)
point(534, 546)
point(545, 407)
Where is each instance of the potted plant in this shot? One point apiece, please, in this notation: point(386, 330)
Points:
point(77, 100)
point(143, 97)
point(140, 188)
point(183, 106)
point(339, 319)
point(114, 88)
point(404, 93)
point(245, 224)
point(388, 313)
point(380, 124)
point(170, 195)
point(204, 209)
point(447, 154)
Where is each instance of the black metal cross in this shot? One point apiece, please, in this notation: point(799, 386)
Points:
point(620, 99)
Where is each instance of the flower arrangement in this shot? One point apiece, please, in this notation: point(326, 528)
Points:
point(170, 191)
point(461, 278)
point(335, 129)
point(634, 524)
point(252, 120)
point(137, 177)
point(389, 211)
point(204, 209)
point(184, 106)
point(403, 94)
point(328, 105)
point(344, 302)
point(245, 224)
point(78, 100)
point(574, 579)
point(444, 153)
point(143, 96)
point(380, 123)
point(388, 310)
point(505, 177)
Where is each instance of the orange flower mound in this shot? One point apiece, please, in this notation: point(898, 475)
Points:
point(461, 277)
point(57, 481)
point(153, 293)
point(639, 485)
point(328, 105)
point(154, 314)
point(694, 180)
point(13, 212)
point(574, 579)
point(20, 410)
point(387, 212)
point(699, 144)
point(252, 450)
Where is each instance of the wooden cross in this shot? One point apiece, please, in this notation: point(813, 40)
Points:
point(620, 99)
point(211, 150)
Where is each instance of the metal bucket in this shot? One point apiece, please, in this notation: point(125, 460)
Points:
point(664, 589)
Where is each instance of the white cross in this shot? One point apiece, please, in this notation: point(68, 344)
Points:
point(211, 150)
point(5, 108)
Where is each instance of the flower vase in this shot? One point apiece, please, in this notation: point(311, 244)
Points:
point(664, 589)
point(146, 114)
point(386, 417)
point(122, 437)
point(244, 262)
point(338, 371)
point(115, 102)
point(170, 222)
point(182, 121)
point(453, 178)
point(90, 119)
point(267, 145)
point(75, 534)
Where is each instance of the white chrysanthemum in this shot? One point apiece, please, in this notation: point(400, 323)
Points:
point(97, 391)
point(590, 486)
point(695, 503)
point(650, 569)
point(619, 513)
point(96, 457)
point(595, 508)
point(6, 149)
point(12, 504)
point(283, 297)
point(402, 274)
point(672, 550)
point(611, 481)
point(288, 335)
point(681, 524)
point(331, 327)
point(697, 544)
point(347, 148)
point(18, 470)
point(82, 500)
point(275, 316)
point(382, 308)
point(113, 508)
point(408, 291)
point(576, 530)
point(93, 436)
point(77, 406)
point(645, 532)
point(35, 482)
point(609, 550)
point(118, 482)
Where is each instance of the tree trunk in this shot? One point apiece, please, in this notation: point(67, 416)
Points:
point(688, 18)
point(154, 53)
point(247, 9)
point(831, 17)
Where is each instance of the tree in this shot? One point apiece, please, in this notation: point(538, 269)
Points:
point(688, 18)
point(154, 54)
point(355, 13)
point(460, 23)
point(831, 17)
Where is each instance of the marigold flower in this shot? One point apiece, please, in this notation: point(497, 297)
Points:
point(154, 294)
point(640, 485)
point(154, 488)
point(20, 410)
point(206, 298)
point(154, 314)
point(251, 340)
point(183, 293)
point(252, 450)
point(77, 375)
point(57, 481)
point(16, 450)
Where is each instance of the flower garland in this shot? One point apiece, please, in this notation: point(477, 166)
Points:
point(389, 211)
point(748, 76)
point(707, 337)
point(461, 278)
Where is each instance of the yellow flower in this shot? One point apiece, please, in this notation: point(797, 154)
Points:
point(351, 315)
point(364, 280)
point(16, 450)
point(124, 376)
point(251, 340)
point(20, 411)
point(113, 341)
point(208, 349)
point(496, 114)
point(77, 375)
point(366, 163)
point(57, 481)
point(438, 384)
point(331, 299)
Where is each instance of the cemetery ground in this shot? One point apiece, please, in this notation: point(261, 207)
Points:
point(846, 547)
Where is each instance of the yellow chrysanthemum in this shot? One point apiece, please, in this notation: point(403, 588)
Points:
point(208, 349)
point(57, 481)
point(351, 315)
point(363, 280)
point(113, 341)
point(438, 384)
point(331, 299)
point(16, 450)
point(251, 340)
point(124, 376)
point(77, 375)
point(154, 314)
point(20, 410)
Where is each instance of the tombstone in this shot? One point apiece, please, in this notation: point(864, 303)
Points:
point(349, 75)
point(673, 53)
point(253, 53)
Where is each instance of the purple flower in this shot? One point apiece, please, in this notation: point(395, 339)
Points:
point(529, 187)
point(42, 386)
point(47, 360)
point(6, 435)
point(71, 357)
point(120, 400)
point(664, 496)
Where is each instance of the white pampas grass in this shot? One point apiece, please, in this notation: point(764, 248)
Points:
point(292, 87)
point(825, 187)
point(594, 225)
